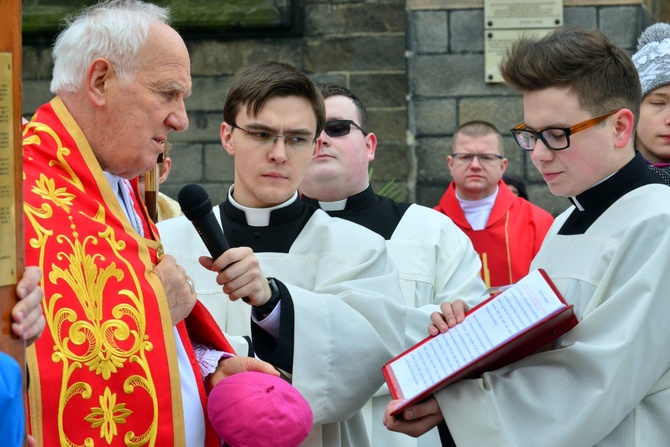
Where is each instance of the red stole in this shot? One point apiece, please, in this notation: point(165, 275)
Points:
point(512, 236)
point(105, 369)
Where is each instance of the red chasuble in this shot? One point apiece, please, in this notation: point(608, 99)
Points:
point(105, 370)
point(512, 236)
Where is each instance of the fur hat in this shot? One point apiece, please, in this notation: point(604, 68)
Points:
point(252, 409)
point(652, 59)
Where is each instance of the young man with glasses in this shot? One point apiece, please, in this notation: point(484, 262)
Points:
point(436, 261)
point(505, 230)
point(605, 382)
point(326, 307)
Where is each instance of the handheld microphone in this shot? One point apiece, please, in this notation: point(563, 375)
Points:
point(197, 207)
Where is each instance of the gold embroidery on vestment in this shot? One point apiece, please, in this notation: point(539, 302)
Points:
point(103, 343)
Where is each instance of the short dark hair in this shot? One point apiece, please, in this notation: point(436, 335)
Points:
point(255, 85)
point(328, 89)
point(479, 128)
point(600, 74)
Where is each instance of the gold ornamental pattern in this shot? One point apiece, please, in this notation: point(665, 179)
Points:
point(101, 337)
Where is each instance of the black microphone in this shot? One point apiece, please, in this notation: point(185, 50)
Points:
point(197, 207)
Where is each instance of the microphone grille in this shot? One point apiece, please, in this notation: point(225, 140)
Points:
point(194, 201)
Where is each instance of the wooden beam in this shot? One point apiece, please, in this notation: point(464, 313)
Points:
point(11, 208)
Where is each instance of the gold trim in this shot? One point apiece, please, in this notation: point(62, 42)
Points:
point(35, 392)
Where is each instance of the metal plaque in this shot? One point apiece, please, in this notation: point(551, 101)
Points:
point(514, 14)
point(7, 189)
point(496, 43)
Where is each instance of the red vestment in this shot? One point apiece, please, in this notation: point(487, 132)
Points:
point(105, 368)
point(512, 236)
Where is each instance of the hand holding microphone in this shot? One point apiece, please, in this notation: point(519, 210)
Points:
point(197, 207)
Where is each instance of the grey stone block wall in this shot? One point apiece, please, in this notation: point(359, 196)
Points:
point(447, 88)
point(419, 72)
point(360, 44)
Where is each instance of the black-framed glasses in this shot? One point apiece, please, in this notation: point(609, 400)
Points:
point(267, 138)
point(340, 128)
point(467, 158)
point(554, 138)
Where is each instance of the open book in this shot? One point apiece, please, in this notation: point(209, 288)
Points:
point(503, 329)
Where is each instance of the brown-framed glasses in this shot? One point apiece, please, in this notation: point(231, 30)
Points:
point(554, 138)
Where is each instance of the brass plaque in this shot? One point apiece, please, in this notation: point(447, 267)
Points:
point(506, 20)
point(496, 43)
point(514, 14)
point(7, 189)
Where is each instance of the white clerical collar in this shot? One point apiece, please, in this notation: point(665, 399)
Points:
point(338, 205)
point(258, 217)
point(477, 212)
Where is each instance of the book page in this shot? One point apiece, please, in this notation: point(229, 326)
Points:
point(526, 303)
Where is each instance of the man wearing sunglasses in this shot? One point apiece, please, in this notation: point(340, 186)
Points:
point(436, 261)
point(604, 383)
point(505, 230)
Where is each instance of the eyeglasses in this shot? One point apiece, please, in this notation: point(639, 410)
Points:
point(554, 138)
point(265, 138)
point(485, 159)
point(340, 128)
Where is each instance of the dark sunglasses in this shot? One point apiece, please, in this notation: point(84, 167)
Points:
point(340, 128)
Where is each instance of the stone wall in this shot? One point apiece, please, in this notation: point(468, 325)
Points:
point(417, 64)
point(359, 44)
point(447, 87)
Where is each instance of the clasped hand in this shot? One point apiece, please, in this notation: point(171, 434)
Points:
point(180, 296)
point(29, 321)
point(233, 365)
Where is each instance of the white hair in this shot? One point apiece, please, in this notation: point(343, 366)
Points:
point(114, 30)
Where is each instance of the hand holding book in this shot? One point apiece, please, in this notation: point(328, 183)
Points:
point(453, 313)
point(499, 331)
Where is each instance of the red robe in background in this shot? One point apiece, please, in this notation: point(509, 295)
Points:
point(512, 236)
point(104, 372)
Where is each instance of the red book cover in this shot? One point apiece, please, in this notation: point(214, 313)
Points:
point(504, 328)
